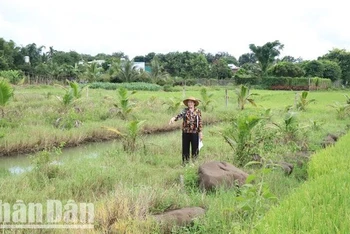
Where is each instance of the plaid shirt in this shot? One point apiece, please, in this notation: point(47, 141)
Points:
point(192, 121)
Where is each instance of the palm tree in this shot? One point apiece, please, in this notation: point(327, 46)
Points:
point(156, 70)
point(128, 72)
point(6, 92)
point(93, 72)
point(114, 69)
point(266, 54)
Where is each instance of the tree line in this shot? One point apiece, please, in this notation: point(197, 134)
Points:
point(262, 61)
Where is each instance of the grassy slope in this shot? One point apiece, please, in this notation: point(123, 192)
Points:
point(321, 205)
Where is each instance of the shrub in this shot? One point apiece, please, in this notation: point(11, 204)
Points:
point(129, 86)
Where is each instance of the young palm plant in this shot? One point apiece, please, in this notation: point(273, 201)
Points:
point(239, 137)
point(6, 92)
point(343, 110)
point(131, 135)
point(290, 126)
point(303, 102)
point(206, 99)
point(72, 93)
point(244, 96)
point(124, 107)
point(173, 105)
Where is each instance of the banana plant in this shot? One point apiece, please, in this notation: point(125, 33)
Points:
point(124, 107)
point(206, 99)
point(6, 92)
point(244, 96)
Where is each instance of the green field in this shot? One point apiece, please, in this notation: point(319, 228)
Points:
point(129, 186)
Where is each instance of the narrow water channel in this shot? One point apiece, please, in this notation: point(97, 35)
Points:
point(18, 164)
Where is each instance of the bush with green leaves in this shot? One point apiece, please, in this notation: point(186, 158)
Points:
point(6, 92)
point(129, 86)
point(255, 198)
point(45, 167)
point(13, 76)
point(69, 120)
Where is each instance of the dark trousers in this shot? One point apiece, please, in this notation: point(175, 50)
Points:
point(189, 139)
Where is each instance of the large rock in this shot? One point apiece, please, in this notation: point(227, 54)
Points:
point(287, 167)
point(216, 174)
point(330, 139)
point(179, 217)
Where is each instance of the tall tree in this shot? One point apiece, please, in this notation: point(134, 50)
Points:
point(331, 70)
point(199, 66)
point(149, 57)
point(266, 54)
point(221, 70)
point(34, 53)
point(139, 58)
point(230, 59)
point(313, 68)
point(246, 58)
point(286, 69)
point(342, 57)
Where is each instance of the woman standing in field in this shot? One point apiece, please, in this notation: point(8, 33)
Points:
point(191, 129)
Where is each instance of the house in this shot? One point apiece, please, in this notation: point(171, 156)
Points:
point(233, 67)
point(139, 66)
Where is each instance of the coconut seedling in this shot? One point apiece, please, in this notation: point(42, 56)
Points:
point(239, 137)
point(130, 135)
point(206, 99)
point(303, 101)
point(244, 96)
point(124, 106)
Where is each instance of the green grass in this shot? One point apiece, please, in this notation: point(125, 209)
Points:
point(321, 205)
point(128, 187)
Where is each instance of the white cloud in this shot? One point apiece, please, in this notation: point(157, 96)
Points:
point(307, 29)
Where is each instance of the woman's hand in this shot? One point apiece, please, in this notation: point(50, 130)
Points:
point(172, 120)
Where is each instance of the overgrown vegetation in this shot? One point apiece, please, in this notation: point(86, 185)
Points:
point(140, 174)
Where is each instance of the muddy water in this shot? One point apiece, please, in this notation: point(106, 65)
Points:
point(21, 163)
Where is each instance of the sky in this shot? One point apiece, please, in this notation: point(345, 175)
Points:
point(307, 29)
